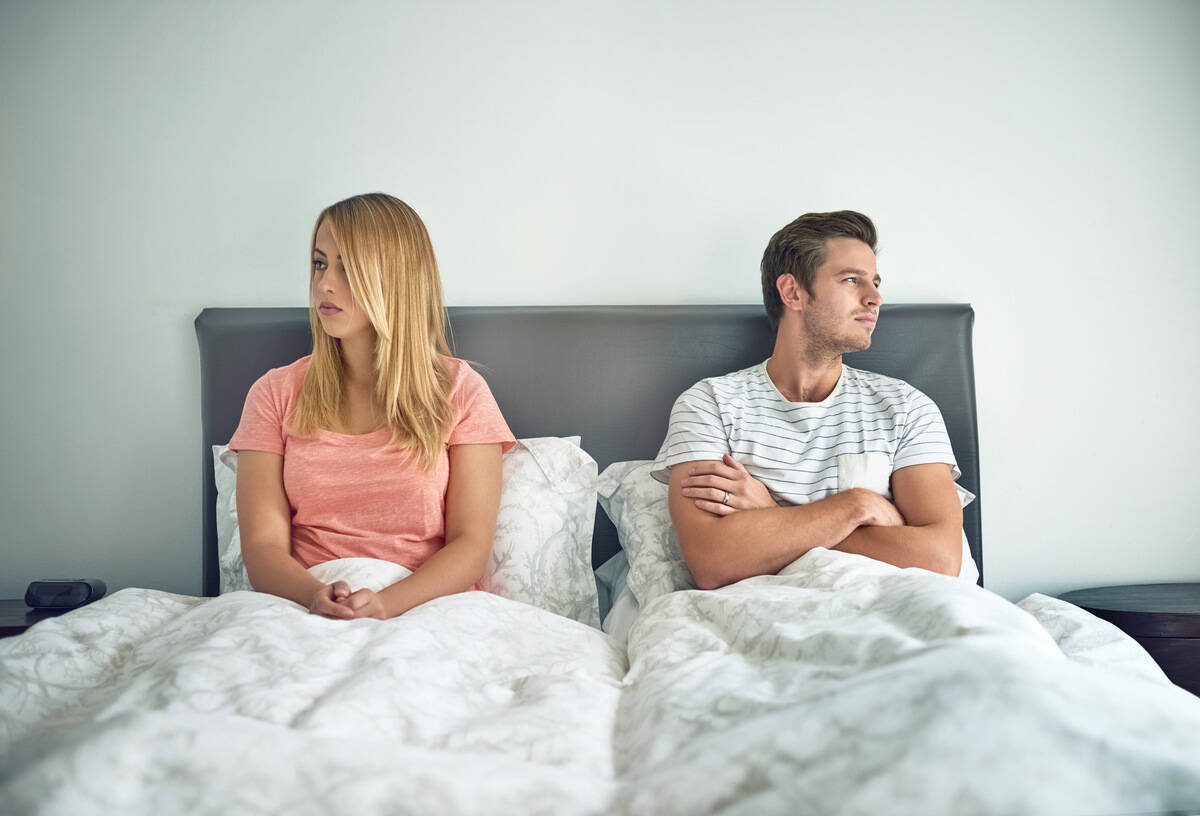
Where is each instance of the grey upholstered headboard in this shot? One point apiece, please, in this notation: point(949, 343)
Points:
point(607, 373)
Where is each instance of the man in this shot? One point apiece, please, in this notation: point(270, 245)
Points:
point(802, 451)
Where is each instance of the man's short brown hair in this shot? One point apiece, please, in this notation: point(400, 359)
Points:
point(799, 249)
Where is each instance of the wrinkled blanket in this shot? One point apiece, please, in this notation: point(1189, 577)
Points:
point(847, 686)
point(840, 686)
point(147, 702)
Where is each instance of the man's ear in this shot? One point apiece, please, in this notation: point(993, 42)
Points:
point(793, 295)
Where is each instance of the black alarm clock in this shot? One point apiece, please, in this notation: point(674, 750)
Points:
point(64, 594)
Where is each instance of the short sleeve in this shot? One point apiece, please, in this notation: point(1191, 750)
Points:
point(477, 417)
point(261, 428)
point(924, 439)
point(696, 431)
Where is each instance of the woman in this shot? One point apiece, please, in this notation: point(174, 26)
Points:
point(379, 444)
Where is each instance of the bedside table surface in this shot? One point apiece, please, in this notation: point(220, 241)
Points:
point(1144, 610)
point(16, 617)
point(13, 608)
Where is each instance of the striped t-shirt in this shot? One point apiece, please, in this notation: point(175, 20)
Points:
point(869, 426)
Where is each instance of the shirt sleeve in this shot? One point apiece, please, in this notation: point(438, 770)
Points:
point(261, 428)
point(924, 439)
point(696, 432)
point(478, 420)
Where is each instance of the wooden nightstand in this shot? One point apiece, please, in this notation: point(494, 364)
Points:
point(1163, 618)
point(16, 617)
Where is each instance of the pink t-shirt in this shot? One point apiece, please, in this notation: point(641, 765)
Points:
point(354, 495)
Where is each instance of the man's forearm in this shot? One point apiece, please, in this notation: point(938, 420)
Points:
point(721, 551)
point(935, 547)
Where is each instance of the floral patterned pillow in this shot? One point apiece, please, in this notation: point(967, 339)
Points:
point(637, 505)
point(542, 552)
point(229, 540)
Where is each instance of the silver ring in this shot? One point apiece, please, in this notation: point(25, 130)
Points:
point(726, 499)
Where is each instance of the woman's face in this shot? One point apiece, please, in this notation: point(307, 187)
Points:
point(340, 316)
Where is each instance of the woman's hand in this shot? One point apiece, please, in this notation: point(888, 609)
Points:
point(337, 601)
point(724, 487)
point(330, 601)
point(366, 603)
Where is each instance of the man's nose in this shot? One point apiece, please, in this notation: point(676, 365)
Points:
point(873, 296)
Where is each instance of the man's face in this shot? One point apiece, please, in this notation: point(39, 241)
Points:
point(840, 315)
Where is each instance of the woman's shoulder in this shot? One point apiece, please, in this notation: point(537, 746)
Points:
point(268, 407)
point(285, 380)
point(462, 375)
point(467, 386)
point(291, 371)
point(477, 415)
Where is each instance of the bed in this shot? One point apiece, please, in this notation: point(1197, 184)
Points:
point(840, 685)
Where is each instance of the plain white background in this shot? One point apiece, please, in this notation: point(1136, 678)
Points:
point(1037, 160)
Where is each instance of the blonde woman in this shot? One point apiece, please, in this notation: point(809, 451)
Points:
point(379, 444)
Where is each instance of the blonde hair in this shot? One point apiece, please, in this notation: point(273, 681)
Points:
point(393, 278)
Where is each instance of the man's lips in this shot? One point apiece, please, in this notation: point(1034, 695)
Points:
point(867, 318)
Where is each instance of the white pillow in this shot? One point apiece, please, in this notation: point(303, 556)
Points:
point(542, 552)
point(229, 540)
point(637, 505)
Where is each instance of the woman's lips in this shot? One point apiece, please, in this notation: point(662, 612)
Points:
point(327, 308)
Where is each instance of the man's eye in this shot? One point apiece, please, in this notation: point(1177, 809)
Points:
point(851, 279)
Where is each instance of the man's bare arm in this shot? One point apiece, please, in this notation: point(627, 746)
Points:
point(722, 550)
point(931, 537)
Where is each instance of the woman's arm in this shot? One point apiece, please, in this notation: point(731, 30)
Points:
point(472, 503)
point(265, 522)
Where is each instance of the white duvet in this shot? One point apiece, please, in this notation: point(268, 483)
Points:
point(147, 702)
point(840, 686)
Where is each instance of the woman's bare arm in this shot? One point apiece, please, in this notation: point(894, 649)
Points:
point(265, 522)
point(472, 503)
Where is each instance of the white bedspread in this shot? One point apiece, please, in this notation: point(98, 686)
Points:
point(840, 686)
point(846, 686)
point(147, 702)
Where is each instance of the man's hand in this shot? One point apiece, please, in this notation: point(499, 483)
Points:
point(722, 546)
point(878, 511)
point(725, 487)
point(329, 601)
point(929, 534)
point(366, 603)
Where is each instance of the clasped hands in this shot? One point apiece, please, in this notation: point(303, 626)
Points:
point(725, 487)
point(338, 602)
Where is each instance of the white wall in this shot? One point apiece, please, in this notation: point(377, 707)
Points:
point(1039, 161)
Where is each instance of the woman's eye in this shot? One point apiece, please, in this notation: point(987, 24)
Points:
point(318, 265)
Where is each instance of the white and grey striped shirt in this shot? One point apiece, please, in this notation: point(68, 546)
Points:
point(869, 426)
